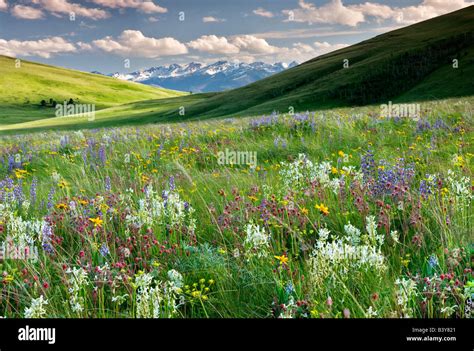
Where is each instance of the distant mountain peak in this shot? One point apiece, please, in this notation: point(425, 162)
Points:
point(198, 77)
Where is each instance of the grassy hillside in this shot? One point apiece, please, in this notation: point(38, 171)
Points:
point(389, 66)
point(140, 112)
point(24, 87)
point(409, 64)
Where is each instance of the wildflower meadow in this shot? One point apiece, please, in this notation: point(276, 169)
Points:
point(329, 214)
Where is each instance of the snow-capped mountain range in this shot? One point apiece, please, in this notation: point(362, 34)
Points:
point(197, 77)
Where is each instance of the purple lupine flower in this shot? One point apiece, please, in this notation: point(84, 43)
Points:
point(422, 125)
point(11, 163)
point(9, 183)
point(424, 188)
point(433, 261)
point(84, 157)
point(264, 121)
point(389, 177)
point(300, 118)
point(64, 141)
point(18, 192)
point(263, 210)
point(34, 185)
point(47, 237)
point(108, 186)
point(313, 125)
point(404, 172)
point(104, 250)
point(102, 156)
point(440, 124)
point(91, 143)
point(50, 198)
point(368, 165)
point(289, 289)
point(427, 186)
point(279, 141)
point(172, 183)
point(158, 152)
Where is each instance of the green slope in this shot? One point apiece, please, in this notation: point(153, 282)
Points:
point(409, 64)
point(140, 112)
point(389, 66)
point(23, 88)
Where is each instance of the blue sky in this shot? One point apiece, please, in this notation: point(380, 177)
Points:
point(104, 35)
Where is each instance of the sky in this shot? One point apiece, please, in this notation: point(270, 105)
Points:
point(128, 35)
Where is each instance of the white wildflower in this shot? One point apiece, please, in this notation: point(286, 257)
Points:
point(323, 234)
point(256, 240)
point(37, 308)
point(77, 281)
point(394, 235)
point(448, 311)
point(460, 186)
point(405, 295)
point(353, 232)
point(371, 228)
point(371, 313)
point(176, 278)
point(120, 299)
point(154, 299)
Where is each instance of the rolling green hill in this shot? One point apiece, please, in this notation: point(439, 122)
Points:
point(23, 88)
point(414, 63)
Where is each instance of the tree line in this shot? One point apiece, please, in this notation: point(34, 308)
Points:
point(53, 103)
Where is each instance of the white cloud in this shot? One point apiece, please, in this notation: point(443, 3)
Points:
point(3, 5)
point(85, 25)
point(213, 44)
point(263, 13)
point(153, 19)
point(335, 12)
point(249, 48)
point(61, 7)
point(302, 48)
point(84, 46)
point(43, 48)
point(209, 19)
point(427, 9)
point(324, 47)
point(375, 10)
point(134, 43)
point(233, 45)
point(302, 52)
point(311, 33)
point(145, 6)
point(27, 12)
point(253, 44)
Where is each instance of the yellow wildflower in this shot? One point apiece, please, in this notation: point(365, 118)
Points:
point(322, 208)
point(97, 222)
point(283, 259)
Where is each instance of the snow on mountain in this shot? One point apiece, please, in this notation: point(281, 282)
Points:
point(196, 77)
